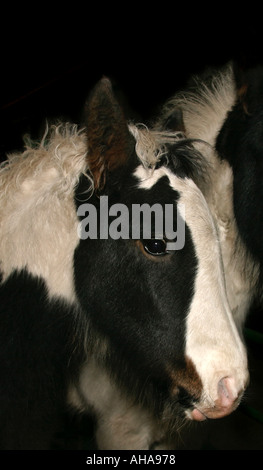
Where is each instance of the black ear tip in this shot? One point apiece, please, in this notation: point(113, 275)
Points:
point(102, 90)
point(104, 86)
point(105, 83)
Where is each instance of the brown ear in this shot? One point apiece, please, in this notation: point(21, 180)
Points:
point(107, 133)
point(241, 76)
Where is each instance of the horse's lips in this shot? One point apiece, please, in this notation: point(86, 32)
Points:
point(197, 415)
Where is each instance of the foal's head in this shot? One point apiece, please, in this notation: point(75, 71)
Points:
point(148, 268)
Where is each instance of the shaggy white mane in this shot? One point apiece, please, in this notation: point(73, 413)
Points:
point(205, 104)
point(58, 159)
point(61, 157)
point(37, 213)
point(151, 145)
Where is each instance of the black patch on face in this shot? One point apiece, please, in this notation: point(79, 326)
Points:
point(138, 304)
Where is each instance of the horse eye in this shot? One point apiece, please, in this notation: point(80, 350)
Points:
point(155, 247)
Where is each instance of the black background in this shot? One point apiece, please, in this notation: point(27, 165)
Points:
point(52, 56)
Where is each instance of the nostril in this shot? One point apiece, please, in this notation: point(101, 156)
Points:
point(228, 398)
point(227, 393)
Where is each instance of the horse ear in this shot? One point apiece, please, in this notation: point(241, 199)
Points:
point(249, 86)
point(107, 133)
point(174, 121)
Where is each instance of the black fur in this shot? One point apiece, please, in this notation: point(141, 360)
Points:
point(240, 141)
point(38, 355)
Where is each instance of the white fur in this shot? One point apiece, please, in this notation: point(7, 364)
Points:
point(212, 340)
point(241, 273)
point(120, 423)
point(204, 107)
point(37, 213)
point(151, 145)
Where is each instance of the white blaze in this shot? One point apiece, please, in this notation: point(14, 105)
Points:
point(212, 341)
